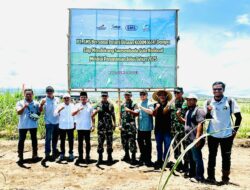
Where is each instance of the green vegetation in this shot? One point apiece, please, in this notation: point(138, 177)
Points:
point(9, 118)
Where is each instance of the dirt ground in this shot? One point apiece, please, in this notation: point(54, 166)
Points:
point(119, 176)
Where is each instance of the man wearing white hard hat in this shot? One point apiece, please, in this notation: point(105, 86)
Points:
point(66, 125)
point(193, 120)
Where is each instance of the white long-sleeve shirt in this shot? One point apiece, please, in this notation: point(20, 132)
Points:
point(66, 120)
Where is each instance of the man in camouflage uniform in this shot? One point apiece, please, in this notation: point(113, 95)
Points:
point(129, 110)
point(106, 114)
point(177, 128)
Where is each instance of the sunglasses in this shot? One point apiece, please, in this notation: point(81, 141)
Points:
point(217, 89)
point(176, 92)
point(49, 91)
point(104, 96)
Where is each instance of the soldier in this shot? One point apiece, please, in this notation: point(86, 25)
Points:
point(177, 128)
point(129, 110)
point(106, 114)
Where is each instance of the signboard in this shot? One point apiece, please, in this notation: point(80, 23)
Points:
point(122, 48)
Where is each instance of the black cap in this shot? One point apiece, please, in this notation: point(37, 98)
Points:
point(49, 89)
point(144, 91)
point(128, 93)
point(83, 93)
point(178, 89)
point(104, 93)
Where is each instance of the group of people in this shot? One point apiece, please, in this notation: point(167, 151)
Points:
point(170, 118)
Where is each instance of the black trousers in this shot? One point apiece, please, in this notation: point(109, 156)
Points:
point(145, 145)
point(70, 134)
point(83, 134)
point(226, 147)
point(22, 137)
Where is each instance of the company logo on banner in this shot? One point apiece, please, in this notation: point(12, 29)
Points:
point(122, 48)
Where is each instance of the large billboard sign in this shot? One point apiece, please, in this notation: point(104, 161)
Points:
point(122, 48)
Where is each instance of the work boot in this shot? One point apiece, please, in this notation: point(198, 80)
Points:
point(211, 176)
point(110, 159)
point(34, 156)
point(133, 159)
point(126, 157)
point(99, 161)
point(87, 159)
point(20, 160)
point(47, 157)
point(80, 159)
point(225, 176)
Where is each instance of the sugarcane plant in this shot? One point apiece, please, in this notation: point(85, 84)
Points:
point(190, 146)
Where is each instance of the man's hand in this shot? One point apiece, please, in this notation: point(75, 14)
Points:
point(81, 108)
point(178, 113)
point(74, 126)
point(209, 108)
point(92, 128)
point(120, 127)
point(127, 109)
point(61, 108)
point(43, 102)
point(157, 106)
point(198, 143)
point(26, 105)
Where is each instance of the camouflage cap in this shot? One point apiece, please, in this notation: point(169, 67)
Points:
point(178, 89)
point(104, 93)
point(128, 93)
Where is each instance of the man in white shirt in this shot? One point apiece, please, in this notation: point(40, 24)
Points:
point(66, 126)
point(84, 125)
point(28, 110)
point(219, 110)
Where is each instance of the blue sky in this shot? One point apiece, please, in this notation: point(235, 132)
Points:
point(215, 38)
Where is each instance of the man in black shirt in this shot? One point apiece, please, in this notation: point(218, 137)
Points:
point(162, 124)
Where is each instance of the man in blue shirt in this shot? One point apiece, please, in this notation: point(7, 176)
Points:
point(28, 109)
point(145, 126)
point(49, 104)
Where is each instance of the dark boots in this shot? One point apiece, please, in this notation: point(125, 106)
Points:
point(126, 157)
point(87, 159)
point(110, 159)
point(100, 159)
point(211, 176)
point(133, 159)
point(225, 176)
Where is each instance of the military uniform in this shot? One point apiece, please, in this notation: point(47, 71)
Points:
point(128, 131)
point(105, 126)
point(176, 126)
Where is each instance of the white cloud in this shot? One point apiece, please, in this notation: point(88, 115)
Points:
point(228, 62)
point(243, 19)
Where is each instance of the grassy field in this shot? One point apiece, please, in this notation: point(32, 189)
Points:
point(9, 118)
